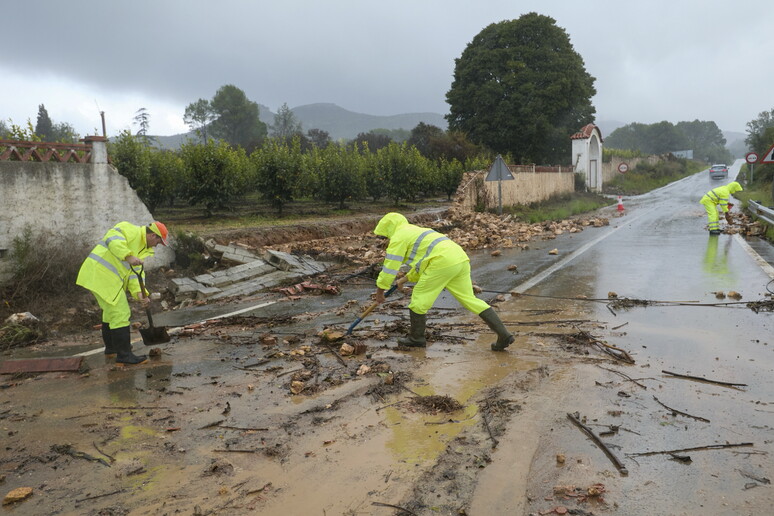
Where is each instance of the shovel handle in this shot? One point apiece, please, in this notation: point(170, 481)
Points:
point(144, 293)
point(373, 305)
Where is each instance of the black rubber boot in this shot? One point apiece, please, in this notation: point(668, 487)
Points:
point(107, 338)
point(122, 340)
point(416, 336)
point(504, 337)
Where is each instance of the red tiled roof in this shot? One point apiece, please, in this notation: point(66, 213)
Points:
point(586, 132)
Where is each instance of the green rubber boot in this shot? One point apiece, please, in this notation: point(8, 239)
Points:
point(122, 339)
point(504, 337)
point(416, 336)
point(107, 338)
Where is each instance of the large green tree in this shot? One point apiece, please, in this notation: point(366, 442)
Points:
point(706, 140)
point(236, 118)
point(521, 88)
point(756, 139)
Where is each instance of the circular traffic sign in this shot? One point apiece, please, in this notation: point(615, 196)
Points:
point(623, 167)
point(751, 157)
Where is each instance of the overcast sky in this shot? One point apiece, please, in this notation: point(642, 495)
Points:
point(676, 60)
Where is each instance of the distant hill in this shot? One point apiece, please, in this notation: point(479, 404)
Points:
point(337, 121)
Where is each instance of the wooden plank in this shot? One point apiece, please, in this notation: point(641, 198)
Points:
point(41, 365)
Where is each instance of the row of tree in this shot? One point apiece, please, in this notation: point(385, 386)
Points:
point(213, 174)
point(704, 138)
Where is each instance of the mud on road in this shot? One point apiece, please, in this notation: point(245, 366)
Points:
point(270, 413)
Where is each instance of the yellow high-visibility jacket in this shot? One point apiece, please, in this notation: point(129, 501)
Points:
point(105, 272)
point(720, 196)
point(416, 246)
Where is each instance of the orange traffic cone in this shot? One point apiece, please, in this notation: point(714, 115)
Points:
point(620, 204)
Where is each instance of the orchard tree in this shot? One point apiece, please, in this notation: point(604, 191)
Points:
point(449, 176)
point(198, 116)
point(521, 88)
point(236, 118)
point(132, 158)
point(215, 174)
point(44, 127)
point(165, 178)
point(340, 174)
point(278, 167)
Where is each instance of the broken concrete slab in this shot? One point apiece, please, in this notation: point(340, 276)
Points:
point(248, 278)
point(288, 262)
point(243, 272)
point(235, 254)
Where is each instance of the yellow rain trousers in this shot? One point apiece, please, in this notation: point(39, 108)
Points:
point(436, 263)
point(718, 197)
point(107, 275)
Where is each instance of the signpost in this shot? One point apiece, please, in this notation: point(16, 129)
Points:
point(499, 172)
point(751, 158)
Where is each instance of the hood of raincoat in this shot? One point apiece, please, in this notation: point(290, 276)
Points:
point(733, 186)
point(389, 223)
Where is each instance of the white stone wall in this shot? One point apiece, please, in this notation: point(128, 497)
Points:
point(77, 202)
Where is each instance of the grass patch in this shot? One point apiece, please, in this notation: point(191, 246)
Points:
point(253, 211)
point(645, 177)
point(559, 207)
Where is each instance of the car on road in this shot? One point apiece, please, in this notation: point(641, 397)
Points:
point(719, 171)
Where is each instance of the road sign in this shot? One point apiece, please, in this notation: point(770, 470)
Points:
point(751, 157)
point(499, 171)
point(769, 156)
point(623, 167)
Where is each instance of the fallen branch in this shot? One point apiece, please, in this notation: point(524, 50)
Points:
point(112, 459)
point(624, 376)
point(695, 448)
point(135, 408)
point(495, 442)
point(229, 450)
point(245, 429)
point(618, 464)
point(344, 363)
point(66, 449)
point(699, 378)
point(680, 412)
point(79, 500)
point(380, 504)
point(210, 425)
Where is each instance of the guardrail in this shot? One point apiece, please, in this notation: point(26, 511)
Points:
point(761, 211)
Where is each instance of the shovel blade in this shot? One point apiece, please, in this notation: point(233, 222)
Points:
point(154, 335)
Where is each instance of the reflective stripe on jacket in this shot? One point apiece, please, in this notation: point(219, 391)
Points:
point(721, 195)
point(416, 246)
point(105, 272)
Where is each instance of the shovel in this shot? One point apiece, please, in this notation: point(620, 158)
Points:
point(373, 305)
point(152, 334)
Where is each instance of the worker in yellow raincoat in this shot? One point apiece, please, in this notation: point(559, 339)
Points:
point(719, 197)
point(108, 272)
point(435, 262)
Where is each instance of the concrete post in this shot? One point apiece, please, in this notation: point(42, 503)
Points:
point(98, 149)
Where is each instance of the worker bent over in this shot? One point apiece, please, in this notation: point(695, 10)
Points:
point(435, 262)
point(107, 272)
point(719, 197)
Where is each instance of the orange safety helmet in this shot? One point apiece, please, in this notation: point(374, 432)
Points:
point(160, 229)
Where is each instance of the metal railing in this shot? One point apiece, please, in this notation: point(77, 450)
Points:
point(761, 211)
